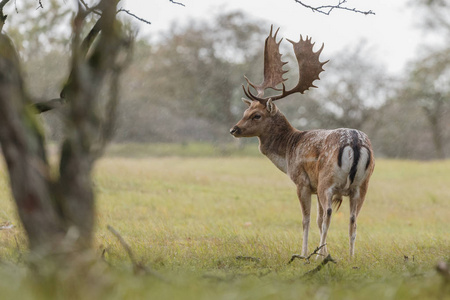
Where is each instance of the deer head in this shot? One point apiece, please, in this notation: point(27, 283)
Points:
point(257, 118)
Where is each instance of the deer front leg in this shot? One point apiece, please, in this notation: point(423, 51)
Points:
point(304, 196)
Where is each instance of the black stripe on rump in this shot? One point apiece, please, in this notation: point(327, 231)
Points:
point(341, 150)
point(356, 146)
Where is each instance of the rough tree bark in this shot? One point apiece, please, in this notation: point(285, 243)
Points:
point(57, 210)
point(23, 149)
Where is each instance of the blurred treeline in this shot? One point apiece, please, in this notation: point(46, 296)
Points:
point(185, 84)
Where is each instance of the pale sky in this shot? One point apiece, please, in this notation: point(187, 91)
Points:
point(392, 34)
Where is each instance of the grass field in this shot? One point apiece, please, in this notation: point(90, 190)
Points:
point(188, 218)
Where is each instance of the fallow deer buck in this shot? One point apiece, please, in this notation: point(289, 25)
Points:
point(329, 163)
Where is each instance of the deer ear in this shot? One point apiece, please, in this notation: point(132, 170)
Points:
point(271, 108)
point(246, 101)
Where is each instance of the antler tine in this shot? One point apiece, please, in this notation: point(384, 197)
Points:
point(248, 94)
point(250, 83)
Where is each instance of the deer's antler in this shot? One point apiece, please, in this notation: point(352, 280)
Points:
point(308, 64)
point(273, 66)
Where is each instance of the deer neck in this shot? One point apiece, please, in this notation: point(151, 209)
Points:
point(275, 143)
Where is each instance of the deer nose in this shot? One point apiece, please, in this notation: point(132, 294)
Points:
point(235, 130)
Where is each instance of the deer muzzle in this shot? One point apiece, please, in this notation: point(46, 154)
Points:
point(235, 131)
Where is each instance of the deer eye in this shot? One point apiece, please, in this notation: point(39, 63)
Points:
point(256, 117)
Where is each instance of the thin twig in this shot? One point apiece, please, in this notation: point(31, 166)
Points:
point(319, 267)
point(316, 251)
point(84, 49)
point(134, 16)
point(178, 3)
point(137, 266)
point(327, 9)
point(124, 244)
point(89, 9)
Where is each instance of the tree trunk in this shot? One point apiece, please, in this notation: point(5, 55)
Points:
point(434, 116)
point(58, 212)
point(23, 149)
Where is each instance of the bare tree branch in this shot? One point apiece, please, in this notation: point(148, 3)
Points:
point(142, 19)
point(86, 116)
point(319, 267)
point(90, 9)
point(49, 105)
point(2, 16)
point(43, 106)
point(327, 9)
point(134, 16)
point(138, 267)
point(178, 3)
point(124, 245)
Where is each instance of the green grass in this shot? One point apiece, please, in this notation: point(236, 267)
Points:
point(189, 217)
point(143, 150)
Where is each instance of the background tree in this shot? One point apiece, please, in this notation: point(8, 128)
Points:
point(57, 210)
point(434, 16)
point(428, 86)
point(188, 83)
point(34, 28)
point(428, 81)
point(351, 90)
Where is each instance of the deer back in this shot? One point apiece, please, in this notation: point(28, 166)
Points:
point(341, 158)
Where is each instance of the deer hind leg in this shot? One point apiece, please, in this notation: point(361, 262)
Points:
point(324, 197)
point(304, 195)
point(319, 216)
point(356, 202)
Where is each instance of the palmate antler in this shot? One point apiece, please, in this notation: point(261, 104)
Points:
point(273, 66)
point(308, 64)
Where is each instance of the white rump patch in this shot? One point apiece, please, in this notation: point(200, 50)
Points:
point(342, 173)
point(361, 168)
point(347, 159)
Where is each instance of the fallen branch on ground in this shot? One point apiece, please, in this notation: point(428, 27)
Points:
point(138, 267)
point(319, 267)
point(316, 251)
